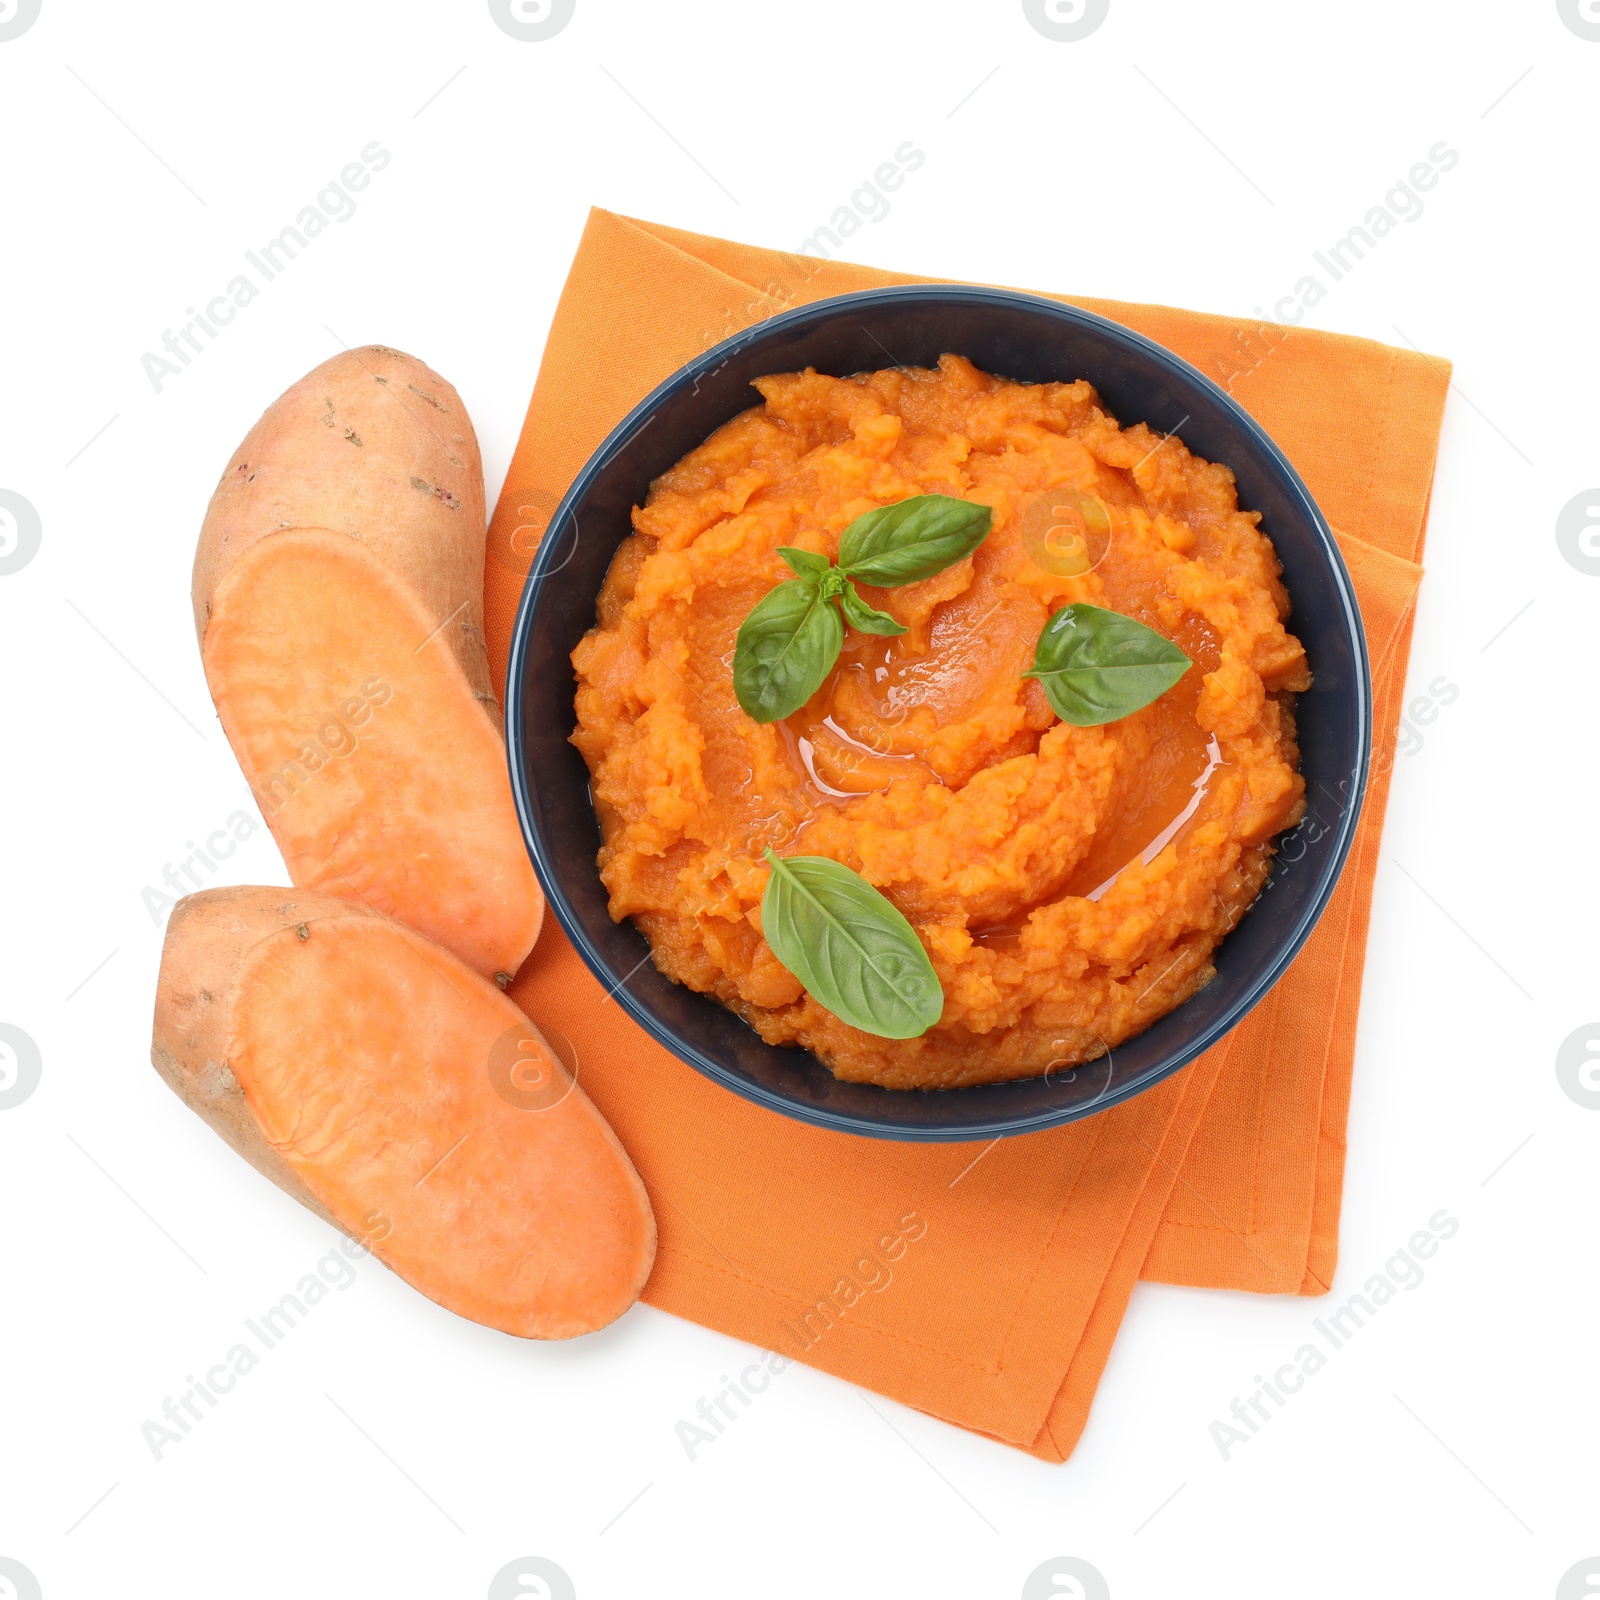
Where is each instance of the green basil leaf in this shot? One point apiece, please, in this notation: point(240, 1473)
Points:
point(865, 618)
point(1097, 665)
point(805, 563)
point(785, 648)
point(913, 539)
point(852, 949)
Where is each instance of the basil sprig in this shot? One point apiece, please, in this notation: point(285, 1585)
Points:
point(1098, 666)
point(790, 641)
point(849, 945)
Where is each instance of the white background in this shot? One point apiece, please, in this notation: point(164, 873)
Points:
point(386, 1447)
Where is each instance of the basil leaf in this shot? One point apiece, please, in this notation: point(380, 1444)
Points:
point(849, 945)
point(785, 648)
point(804, 563)
point(1097, 665)
point(865, 618)
point(912, 539)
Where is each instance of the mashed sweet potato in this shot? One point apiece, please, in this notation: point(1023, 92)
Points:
point(1069, 884)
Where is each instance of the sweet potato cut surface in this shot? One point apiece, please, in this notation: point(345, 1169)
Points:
point(374, 1076)
point(377, 773)
point(338, 594)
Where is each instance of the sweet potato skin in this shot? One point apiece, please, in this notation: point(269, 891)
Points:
point(219, 942)
point(208, 937)
point(376, 445)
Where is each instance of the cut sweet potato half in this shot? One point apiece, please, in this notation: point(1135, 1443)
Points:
point(382, 1083)
point(338, 592)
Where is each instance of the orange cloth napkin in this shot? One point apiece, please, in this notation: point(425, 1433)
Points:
point(985, 1284)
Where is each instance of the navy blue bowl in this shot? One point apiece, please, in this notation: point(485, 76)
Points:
point(1015, 336)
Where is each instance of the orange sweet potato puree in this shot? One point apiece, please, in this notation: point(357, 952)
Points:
point(1069, 884)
